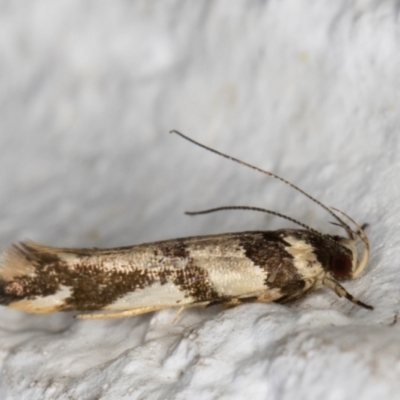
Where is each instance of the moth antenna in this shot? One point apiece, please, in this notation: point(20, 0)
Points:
point(264, 210)
point(350, 234)
point(360, 230)
point(334, 223)
point(326, 208)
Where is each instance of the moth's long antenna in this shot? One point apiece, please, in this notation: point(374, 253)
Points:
point(360, 229)
point(342, 223)
point(265, 210)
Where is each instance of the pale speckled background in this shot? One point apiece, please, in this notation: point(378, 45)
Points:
point(309, 89)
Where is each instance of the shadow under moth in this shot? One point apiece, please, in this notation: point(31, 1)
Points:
point(227, 269)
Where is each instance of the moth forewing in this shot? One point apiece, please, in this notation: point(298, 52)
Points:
point(227, 269)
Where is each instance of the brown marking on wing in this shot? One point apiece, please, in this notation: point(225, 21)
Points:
point(94, 286)
point(176, 249)
point(91, 287)
point(267, 250)
point(194, 281)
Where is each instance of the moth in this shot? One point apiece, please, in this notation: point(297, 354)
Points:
point(228, 269)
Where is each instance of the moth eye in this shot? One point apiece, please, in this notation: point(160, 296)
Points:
point(341, 266)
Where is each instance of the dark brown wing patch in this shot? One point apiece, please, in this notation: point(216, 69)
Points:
point(267, 250)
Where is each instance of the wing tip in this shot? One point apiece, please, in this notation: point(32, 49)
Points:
point(17, 260)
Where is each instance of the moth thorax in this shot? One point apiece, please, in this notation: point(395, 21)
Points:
point(343, 263)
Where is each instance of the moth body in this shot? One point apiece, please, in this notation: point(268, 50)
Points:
point(227, 269)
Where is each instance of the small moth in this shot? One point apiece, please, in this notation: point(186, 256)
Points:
point(227, 269)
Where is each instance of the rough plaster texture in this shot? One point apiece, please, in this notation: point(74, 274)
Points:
point(308, 89)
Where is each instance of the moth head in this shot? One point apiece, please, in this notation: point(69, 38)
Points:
point(343, 260)
point(346, 262)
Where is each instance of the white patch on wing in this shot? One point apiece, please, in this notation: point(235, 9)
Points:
point(230, 272)
point(167, 294)
point(44, 304)
point(304, 258)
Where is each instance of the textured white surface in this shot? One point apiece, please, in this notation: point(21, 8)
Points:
point(308, 89)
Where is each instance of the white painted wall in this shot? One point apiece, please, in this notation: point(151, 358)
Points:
point(308, 89)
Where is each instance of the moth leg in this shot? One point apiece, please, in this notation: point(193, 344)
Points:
point(342, 292)
point(121, 314)
point(178, 314)
point(99, 316)
point(309, 286)
point(242, 300)
point(225, 303)
point(230, 304)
